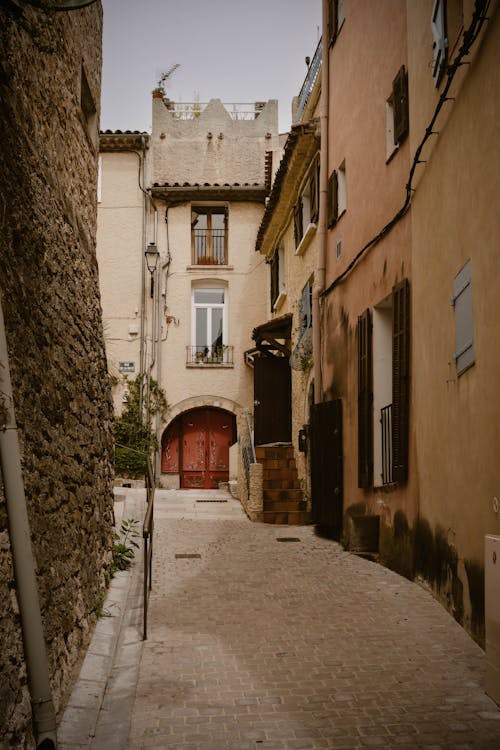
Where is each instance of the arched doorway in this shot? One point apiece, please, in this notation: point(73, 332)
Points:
point(196, 447)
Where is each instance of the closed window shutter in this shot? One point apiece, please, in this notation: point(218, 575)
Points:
point(332, 199)
point(400, 379)
point(400, 104)
point(313, 193)
point(332, 19)
point(275, 275)
point(365, 401)
point(464, 324)
point(305, 309)
point(297, 222)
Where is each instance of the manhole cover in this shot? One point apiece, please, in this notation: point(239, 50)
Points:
point(287, 539)
point(187, 555)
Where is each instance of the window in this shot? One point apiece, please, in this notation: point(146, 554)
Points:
point(337, 195)
point(384, 390)
point(306, 210)
point(397, 119)
point(440, 42)
point(278, 278)
point(209, 235)
point(336, 17)
point(209, 324)
point(464, 327)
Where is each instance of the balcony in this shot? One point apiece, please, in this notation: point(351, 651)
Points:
point(209, 356)
point(308, 85)
point(209, 247)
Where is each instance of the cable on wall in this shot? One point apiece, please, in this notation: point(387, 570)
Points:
point(469, 37)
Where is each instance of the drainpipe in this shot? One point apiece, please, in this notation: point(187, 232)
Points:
point(142, 367)
point(44, 719)
point(162, 295)
point(319, 276)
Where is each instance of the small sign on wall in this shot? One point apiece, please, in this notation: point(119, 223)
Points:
point(126, 366)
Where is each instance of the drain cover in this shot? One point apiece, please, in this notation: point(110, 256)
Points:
point(287, 539)
point(187, 555)
point(212, 500)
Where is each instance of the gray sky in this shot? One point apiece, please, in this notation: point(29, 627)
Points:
point(234, 50)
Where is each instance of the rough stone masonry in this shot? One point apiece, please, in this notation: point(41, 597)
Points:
point(50, 68)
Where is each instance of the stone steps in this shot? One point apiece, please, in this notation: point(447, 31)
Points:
point(283, 500)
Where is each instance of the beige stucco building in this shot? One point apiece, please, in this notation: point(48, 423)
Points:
point(194, 190)
point(408, 332)
point(456, 301)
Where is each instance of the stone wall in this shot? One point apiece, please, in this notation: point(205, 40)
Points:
point(49, 108)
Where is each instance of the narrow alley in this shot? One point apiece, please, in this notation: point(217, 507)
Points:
point(263, 636)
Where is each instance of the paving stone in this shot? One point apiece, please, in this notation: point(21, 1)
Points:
point(263, 645)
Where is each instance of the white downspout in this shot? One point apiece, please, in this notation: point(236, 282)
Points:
point(319, 276)
point(44, 718)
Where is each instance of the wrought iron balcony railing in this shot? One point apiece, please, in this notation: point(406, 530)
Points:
point(308, 85)
point(221, 355)
point(209, 247)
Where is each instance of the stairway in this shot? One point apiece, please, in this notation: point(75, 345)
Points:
point(283, 498)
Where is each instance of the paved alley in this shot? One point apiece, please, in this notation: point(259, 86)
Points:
point(271, 637)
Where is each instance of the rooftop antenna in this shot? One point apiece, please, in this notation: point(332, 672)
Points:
point(166, 75)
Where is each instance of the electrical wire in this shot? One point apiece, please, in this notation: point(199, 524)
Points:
point(469, 37)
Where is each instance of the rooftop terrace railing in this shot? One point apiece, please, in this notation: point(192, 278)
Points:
point(236, 110)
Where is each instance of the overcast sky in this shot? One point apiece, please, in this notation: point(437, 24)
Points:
point(234, 50)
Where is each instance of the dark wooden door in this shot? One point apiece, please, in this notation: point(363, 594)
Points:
point(272, 400)
point(326, 465)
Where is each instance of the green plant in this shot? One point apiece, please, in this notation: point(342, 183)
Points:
point(134, 438)
point(124, 546)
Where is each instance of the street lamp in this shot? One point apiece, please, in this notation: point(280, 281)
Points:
point(152, 255)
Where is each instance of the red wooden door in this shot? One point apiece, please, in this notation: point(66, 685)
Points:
point(206, 437)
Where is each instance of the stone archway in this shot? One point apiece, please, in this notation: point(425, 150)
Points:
point(195, 447)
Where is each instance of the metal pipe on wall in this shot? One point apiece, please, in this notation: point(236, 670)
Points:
point(319, 276)
point(142, 361)
point(44, 719)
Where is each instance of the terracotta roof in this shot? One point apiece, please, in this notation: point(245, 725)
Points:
point(237, 191)
point(300, 146)
point(123, 140)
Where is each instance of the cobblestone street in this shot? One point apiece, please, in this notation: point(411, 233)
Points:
point(259, 642)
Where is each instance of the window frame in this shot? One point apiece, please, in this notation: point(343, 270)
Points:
point(211, 257)
point(206, 286)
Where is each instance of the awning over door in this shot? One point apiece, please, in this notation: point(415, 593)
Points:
point(274, 336)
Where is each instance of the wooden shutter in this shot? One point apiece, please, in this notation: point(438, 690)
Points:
point(332, 199)
point(464, 324)
point(332, 19)
point(314, 192)
point(275, 276)
point(268, 170)
point(365, 401)
point(400, 379)
point(297, 222)
point(305, 309)
point(400, 103)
